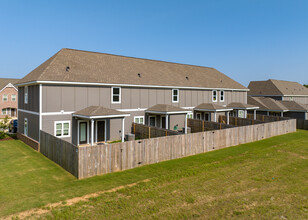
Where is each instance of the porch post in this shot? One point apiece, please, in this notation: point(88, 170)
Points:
point(255, 114)
point(186, 123)
point(122, 133)
point(281, 114)
point(245, 113)
point(228, 117)
point(167, 121)
point(267, 113)
point(92, 132)
point(215, 117)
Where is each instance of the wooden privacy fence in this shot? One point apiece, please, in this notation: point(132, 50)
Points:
point(302, 124)
point(144, 131)
point(108, 158)
point(266, 118)
point(61, 152)
point(197, 125)
point(239, 121)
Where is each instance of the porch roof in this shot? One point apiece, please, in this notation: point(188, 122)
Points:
point(210, 107)
point(166, 109)
point(242, 106)
point(96, 112)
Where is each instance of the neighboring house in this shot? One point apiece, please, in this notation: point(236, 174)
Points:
point(272, 107)
point(87, 97)
point(279, 90)
point(8, 97)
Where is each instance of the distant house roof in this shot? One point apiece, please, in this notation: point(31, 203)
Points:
point(5, 81)
point(212, 107)
point(265, 103)
point(238, 105)
point(99, 112)
point(166, 109)
point(273, 87)
point(269, 104)
point(77, 66)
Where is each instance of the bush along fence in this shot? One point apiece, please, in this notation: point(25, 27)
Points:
point(197, 125)
point(108, 158)
point(239, 121)
point(144, 131)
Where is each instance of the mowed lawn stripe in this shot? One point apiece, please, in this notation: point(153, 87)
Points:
point(239, 181)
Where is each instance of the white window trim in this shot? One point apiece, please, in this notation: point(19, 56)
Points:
point(88, 131)
point(5, 111)
point(12, 98)
point(152, 116)
point(223, 96)
point(190, 114)
point(62, 122)
point(139, 119)
point(213, 96)
point(120, 93)
point(26, 94)
point(26, 120)
point(7, 97)
point(178, 96)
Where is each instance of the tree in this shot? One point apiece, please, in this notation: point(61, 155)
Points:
point(4, 125)
point(306, 85)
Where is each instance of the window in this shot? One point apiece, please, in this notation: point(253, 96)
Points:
point(206, 116)
point(152, 121)
point(26, 126)
point(116, 95)
point(198, 116)
point(190, 115)
point(26, 95)
point(4, 98)
point(241, 113)
point(214, 96)
point(62, 128)
point(4, 111)
point(13, 98)
point(139, 119)
point(175, 95)
point(222, 96)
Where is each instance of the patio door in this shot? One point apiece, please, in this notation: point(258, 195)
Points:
point(83, 134)
point(163, 121)
point(100, 131)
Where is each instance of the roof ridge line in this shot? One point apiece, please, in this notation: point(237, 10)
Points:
point(86, 51)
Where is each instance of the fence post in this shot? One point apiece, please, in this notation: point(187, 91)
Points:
point(166, 133)
point(262, 117)
point(219, 126)
point(235, 122)
point(149, 132)
point(134, 128)
point(202, 125)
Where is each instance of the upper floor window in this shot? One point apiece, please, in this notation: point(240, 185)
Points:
point(222, 96)
point(62, 128)
point(214, 96)
point(26, 94)
point(116, 94)
point(4, 98)
point(139, 119)
point(13, 97)
point(175, 95)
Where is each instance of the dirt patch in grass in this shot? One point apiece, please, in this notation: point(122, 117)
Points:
point(69, 202)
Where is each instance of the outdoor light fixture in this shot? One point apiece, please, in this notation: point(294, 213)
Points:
point(67, 68)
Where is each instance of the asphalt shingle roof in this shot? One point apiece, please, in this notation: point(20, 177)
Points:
point(276, 87)
point(70, 65)
point(5, 81)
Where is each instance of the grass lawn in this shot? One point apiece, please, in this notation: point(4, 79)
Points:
point(265, 179)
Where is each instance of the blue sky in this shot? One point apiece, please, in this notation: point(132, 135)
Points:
point(245, 39)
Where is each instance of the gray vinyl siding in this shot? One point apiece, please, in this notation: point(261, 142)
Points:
point(299, 99)
point(33, 98)
point(48, 124)
point(74, 98)
point(33, 124)
point(299, 115)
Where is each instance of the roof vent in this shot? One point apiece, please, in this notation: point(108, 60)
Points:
point(139, 75)
point(187, 78)
point(67, 68)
